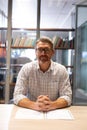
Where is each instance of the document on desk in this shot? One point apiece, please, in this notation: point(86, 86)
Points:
point(24, 113)
point(59, 114)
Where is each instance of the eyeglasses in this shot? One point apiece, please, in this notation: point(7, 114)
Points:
point(46, 50)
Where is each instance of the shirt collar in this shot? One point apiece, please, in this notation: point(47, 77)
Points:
point(50, 68)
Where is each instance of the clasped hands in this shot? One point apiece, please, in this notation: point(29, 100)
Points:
point(44, 103)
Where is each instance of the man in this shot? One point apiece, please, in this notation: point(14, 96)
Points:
point(43, 85)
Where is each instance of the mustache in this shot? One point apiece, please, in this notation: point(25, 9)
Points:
point(44, 56)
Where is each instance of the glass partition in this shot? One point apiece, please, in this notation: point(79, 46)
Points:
point(3, 33)
point(80, 80)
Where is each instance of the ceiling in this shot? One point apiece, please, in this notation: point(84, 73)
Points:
point(59, 13)
point(54, 13)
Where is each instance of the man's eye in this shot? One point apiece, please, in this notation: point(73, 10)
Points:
point(46, 50)
point(40, 49)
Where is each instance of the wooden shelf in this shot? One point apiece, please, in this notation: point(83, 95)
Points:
point(29, 47)
point(42, 29)
point(69, 66)
point(12, 84)
point(22, 47)
point(2, 46)
point(63, 48)
point(16, 65)
point(2, 101)
point(3, 84)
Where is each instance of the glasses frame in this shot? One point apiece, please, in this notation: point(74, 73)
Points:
point(46, 50)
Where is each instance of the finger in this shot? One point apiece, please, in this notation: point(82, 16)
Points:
point(46, 98)
point(39, 100)
point(46, 102)
point(41, 96)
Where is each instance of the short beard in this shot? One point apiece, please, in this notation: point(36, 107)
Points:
point(44, 59)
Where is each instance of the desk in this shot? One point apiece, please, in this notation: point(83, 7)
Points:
point(8, 121)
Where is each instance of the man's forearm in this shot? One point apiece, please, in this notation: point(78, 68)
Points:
point(25, 102)
point(60, 103)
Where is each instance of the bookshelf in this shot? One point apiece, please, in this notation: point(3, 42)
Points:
point(62, 46)
point(25, 39)
point(16, 66)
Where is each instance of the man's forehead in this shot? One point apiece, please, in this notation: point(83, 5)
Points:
point(43, 44)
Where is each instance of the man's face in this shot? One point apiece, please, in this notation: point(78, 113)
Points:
point(44, 52)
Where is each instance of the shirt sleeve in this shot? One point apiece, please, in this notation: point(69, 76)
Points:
point(65, 90)
point(21, 88)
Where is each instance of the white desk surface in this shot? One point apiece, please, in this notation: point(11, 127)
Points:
point(8, 121)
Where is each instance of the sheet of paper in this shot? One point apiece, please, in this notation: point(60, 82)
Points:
point(24, 113)
point(59, 114)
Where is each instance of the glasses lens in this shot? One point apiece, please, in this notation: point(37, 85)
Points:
point(46, 50)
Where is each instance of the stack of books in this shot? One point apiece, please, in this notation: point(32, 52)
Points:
point(60, 43)
point(23, 42)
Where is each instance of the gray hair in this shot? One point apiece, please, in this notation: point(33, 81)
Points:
point(45, 40)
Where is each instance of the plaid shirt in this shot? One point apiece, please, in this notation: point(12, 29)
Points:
point(32, 82)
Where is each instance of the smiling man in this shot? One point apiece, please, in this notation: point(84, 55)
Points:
point(43, 85)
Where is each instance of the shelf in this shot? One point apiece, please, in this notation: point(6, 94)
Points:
point(28, 47)
point(41, 29)
point(16, 65)
point(69, 66)
point(22, 47)
point(12, 65)
point(20, 65)
point(63, 48)
point(3, 83)
point(2, 101)
point(2, 46)
point(3, 68)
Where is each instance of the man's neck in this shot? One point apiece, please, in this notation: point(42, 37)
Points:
point(44, 66)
